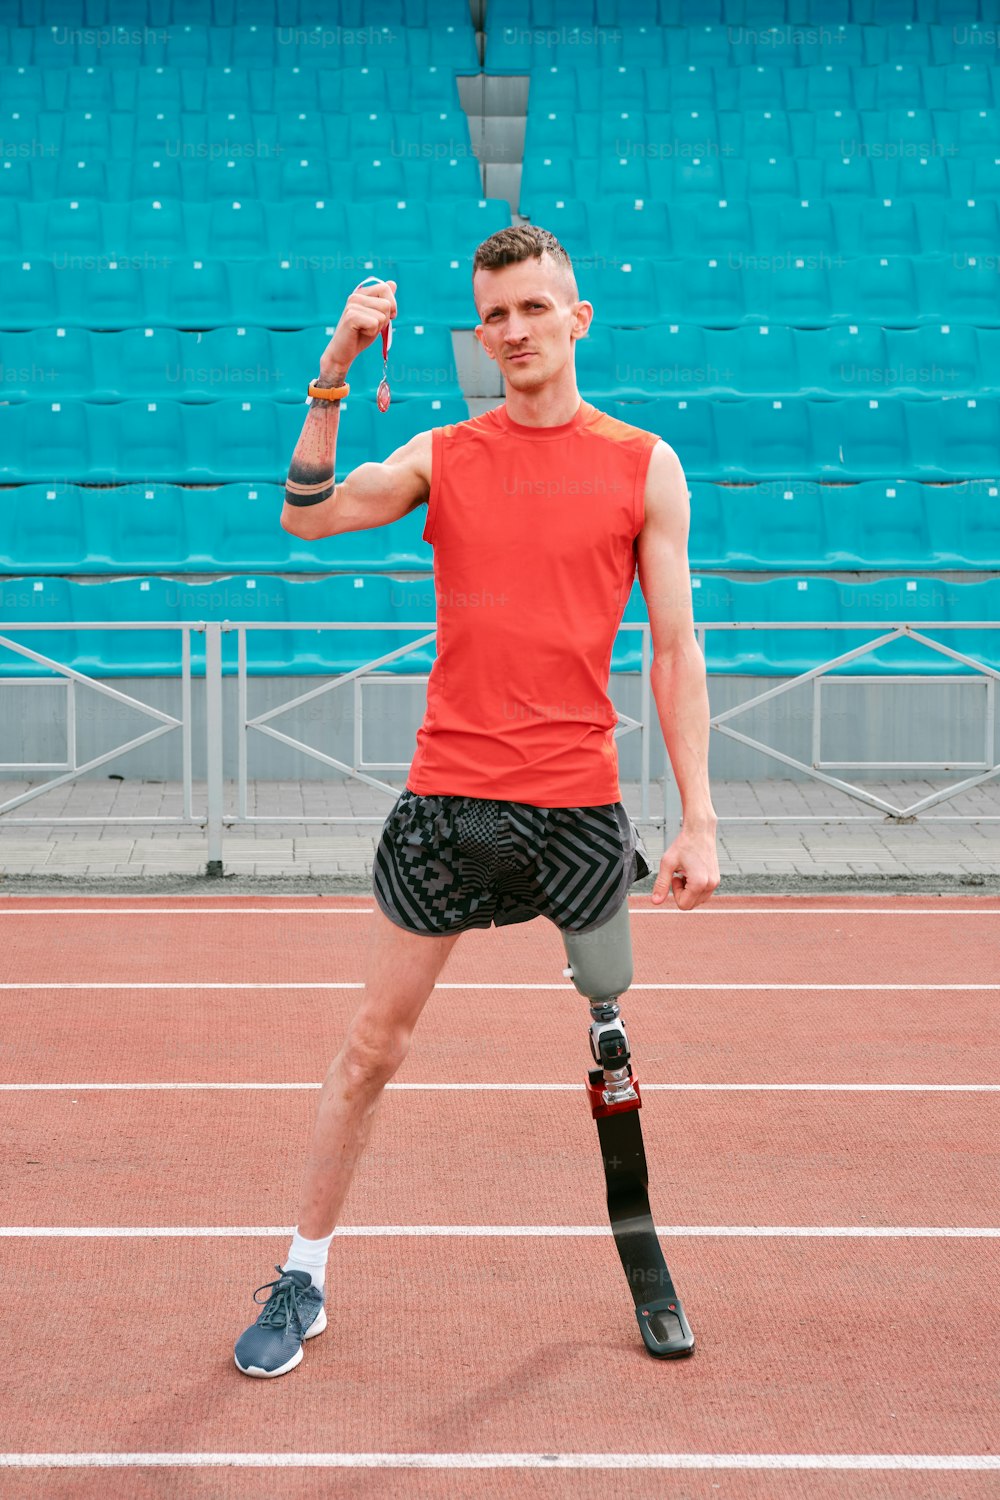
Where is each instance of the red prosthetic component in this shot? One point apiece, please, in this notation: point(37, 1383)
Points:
point(596, 1085)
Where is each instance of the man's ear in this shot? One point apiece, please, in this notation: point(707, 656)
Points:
point(479, 335)
point(583, 316)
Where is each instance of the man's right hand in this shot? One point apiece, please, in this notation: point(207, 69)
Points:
point(365, 314)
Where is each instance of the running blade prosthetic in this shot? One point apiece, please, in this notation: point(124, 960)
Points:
point(664, 1328)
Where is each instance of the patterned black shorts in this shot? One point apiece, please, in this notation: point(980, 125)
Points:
point(445, 864)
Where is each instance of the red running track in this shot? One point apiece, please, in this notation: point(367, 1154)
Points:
point(839, 1349)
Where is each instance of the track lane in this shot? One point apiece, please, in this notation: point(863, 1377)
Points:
point(735, 948)
point(487, 1346)
point(730, 1159)
point(360, 1484)
point(721, 1036)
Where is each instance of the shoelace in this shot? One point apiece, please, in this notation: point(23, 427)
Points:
point(282, 1305)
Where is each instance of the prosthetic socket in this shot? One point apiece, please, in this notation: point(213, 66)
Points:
point(600, 966)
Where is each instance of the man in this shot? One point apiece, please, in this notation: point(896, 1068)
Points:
point(538, 512)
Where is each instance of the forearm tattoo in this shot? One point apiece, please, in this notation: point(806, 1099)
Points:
point(311, 472)
point(301, 488)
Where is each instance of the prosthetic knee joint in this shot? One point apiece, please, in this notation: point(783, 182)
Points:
point(600, 965)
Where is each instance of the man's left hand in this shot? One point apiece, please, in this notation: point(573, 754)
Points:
point(689, 869)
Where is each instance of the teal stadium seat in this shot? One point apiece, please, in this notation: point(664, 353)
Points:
point(243, 439)
point(362, 598)
point(46, 530)
point(153, 439)
point(26, 601)
point(780, 652)
point(883, 289)
point(967, 518)
point(955, 438)
point(948, 360)
point(310, 228)
point(244, 533)
point(277, 294)
point(782, 524)
point(73, 227)
point(623, 295)
point(978, 132)
point(238, 229)
point(900, 600)
point(764, 438)
point(753, 361)
point(798, 293)
point(841, 360)
point(759, 86)
point(46, 363)
point(789, 227)
point(42, 439)
point(110, 295)
point(31, 288)
point(861, 438)
point(961, 85)
point(137, 362)
point(832, 86)
point(708, 229)
point(252, 600)
point(712, 292)
point(968, 290)
point(160, 228)
point(140, 528)
point(15, 231)
point(758, 133)
point(893, 525)
point(23, 88)
point(885, 227)
point(130, 653)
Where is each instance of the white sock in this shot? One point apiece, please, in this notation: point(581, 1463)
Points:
point(309, 1255)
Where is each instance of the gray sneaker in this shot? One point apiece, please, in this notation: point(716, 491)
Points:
point(294, 1311)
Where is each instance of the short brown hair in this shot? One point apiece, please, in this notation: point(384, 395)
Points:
point(519, 242)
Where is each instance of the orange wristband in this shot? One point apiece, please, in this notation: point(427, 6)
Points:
point(328, 393)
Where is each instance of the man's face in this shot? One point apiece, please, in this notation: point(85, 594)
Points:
point(530, 315)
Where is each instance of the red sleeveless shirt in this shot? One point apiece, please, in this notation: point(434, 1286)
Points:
point(534, 532)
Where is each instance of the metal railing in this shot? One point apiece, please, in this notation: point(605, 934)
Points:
point(217, 815)
point(913, 630)
point(71, 679)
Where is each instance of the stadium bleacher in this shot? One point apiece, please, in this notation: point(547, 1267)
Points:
point(785, 215)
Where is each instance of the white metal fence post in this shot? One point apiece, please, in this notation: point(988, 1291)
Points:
point(213, 745)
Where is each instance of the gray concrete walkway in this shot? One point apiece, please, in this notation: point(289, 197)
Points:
point(774, 855)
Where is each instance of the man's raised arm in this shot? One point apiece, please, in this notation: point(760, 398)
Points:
point(373, 494)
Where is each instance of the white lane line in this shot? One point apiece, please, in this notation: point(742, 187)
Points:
point(500, 1231)
point(528, 1088)
point(358, 984)
point(830, 1462)
point(636, 911)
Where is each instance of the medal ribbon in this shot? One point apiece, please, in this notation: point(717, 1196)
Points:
point(383, 395)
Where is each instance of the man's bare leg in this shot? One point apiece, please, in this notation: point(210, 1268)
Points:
point(402, 969)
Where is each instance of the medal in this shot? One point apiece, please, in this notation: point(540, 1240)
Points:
point(383, 395)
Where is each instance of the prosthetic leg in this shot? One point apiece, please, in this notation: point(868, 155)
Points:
point(600, 965)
